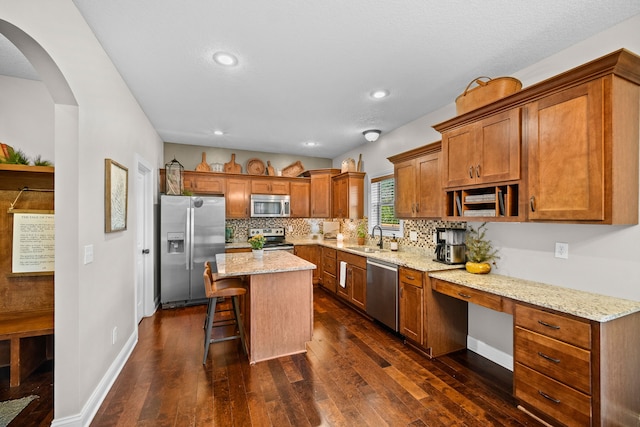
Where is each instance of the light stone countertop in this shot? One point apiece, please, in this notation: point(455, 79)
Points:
point(600, 308)
point(242, 264)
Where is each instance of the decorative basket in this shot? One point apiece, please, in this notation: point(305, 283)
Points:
point(486, 92)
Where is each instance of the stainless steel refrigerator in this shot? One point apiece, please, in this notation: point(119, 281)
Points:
point(191, 232)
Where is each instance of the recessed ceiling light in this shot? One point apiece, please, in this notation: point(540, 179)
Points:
point(379, 94)
point(310, 143)
point(218, 132)
point(225, 58)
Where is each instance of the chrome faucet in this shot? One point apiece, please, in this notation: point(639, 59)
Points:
point(373, 234)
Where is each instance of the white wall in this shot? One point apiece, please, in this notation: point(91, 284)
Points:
point(26, 117)
point(91, 299)
point(602, 259)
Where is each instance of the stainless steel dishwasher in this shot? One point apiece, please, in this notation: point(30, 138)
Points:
point(382, 292)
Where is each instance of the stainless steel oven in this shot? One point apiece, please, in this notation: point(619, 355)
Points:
point(275, 239)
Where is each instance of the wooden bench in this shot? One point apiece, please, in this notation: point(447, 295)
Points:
point(30, 336)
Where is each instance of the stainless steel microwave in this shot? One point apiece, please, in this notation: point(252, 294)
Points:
point(265, 205)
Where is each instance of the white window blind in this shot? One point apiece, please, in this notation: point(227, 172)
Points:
point(383, 197)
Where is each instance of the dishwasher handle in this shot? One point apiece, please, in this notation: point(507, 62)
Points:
point(391, 267)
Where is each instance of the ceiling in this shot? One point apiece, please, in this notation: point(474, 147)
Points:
point(306, 68)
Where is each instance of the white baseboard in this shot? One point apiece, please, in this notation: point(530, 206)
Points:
point(90, 409)
point(497, 356)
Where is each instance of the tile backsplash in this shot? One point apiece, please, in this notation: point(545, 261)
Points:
point(301, 227)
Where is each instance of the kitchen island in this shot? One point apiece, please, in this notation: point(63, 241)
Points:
point(278, 314)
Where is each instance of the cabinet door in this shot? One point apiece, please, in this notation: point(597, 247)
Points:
point(269, 186)
point(358, 280)
point(498, 148)
point(565, 155)
point(237, 198)
point(405, 175)
point(207, 184)
point(429, 187)
point(411, 312)
point(300, 199)
point(320, 199)
point(346, 291)
point(458, 148)
point(340, 198)
point(312, 254)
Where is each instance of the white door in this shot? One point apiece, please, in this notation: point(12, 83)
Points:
point(144, 242)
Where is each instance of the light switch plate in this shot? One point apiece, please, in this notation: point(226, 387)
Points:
point(88, 254)
point(562, 250)
point(413, 236)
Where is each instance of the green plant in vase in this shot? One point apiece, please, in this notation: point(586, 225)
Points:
point(480, 251)
point(361, 231)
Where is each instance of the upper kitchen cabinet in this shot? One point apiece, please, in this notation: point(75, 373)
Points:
point(583, 153)
point(238, 197)
point(320, 192)
point(484, 151)
point(266, 185)
point(418, 182)
point(348, 195)
point(300, 198)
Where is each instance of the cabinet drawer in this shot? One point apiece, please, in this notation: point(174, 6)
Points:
point(357, 260)
point(554, 325)
point(551, 397)
point(465, 293)
point(329, 253)
point(411, 277)
point(329, 281)
point(329, 265)
point(556, 359)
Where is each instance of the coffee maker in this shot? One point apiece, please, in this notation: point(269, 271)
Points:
point(450, 246)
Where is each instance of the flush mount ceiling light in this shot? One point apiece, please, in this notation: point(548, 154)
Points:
point(225, 58)
point(371, 135)
point(379, 94)
point(218, 133)
point(310, 144)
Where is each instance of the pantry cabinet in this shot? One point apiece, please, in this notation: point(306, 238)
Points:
point(418, 182)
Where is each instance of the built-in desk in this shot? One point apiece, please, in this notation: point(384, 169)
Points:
point(279, 301)
point(575, 353)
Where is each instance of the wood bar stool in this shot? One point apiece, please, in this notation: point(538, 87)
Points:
point(228, 287)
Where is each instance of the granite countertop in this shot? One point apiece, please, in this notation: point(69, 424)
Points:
point(416, 260)
point(600, 308)
point(241, 264)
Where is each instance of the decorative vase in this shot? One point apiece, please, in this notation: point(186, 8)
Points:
point(361, 241)
point(478, 267)
point(257, 253)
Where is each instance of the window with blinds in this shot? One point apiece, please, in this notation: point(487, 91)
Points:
point(383, 197)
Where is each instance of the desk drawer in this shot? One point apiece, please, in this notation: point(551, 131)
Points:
point(556, 359)
point(554, 325)
point(465, 293)
point(551, 397)
point(412, 277)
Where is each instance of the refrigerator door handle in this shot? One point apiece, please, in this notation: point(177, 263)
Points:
point(187, 252)
point(192, 213)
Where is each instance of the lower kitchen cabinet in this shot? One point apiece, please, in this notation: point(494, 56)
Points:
point(411, 304)
point(328, 279)
point(313, 254)
point(355, 289)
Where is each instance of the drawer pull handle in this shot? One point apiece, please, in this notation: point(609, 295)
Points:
point(549, 358)
point(548, 325)
point(464, 295)
point(546, 396)
point(410, 278)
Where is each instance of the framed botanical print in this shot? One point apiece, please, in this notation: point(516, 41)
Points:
point(116, 182)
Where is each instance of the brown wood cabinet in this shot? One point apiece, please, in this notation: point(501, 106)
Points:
point(418, 182)
point(485, 151)
point(348, 195)
point(329, 269)
point(355, 290)
point(264, 185)
point(313, 254)
point(583, 153)
point(238, 197)
point(320, 192)
point(411, 304)
point(300, 194)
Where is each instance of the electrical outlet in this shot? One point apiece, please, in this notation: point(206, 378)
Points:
point(114, 335)
point(88, 254)
point(413, 236)
point(562, 250)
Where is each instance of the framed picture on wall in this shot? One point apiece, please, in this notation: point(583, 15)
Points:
point(116, 181)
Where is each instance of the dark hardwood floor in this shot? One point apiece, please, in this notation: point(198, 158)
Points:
point(355, 373)
point(39, 412)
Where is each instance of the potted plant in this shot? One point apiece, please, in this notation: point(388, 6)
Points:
point(361, 232)
point(480, 252)
point(257, 244)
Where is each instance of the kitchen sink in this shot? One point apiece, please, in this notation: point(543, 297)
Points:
point(366, 249)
